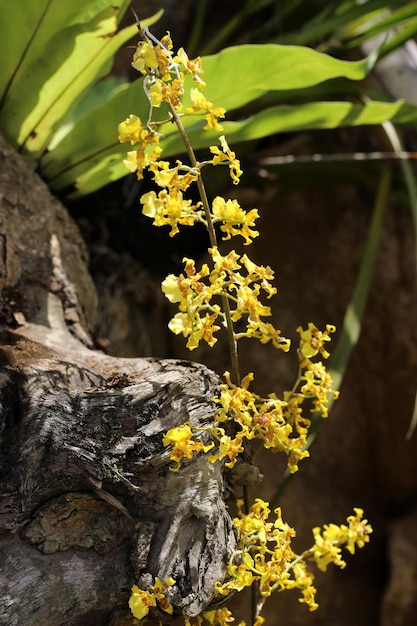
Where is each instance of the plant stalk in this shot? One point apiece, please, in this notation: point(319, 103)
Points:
point(235, 373)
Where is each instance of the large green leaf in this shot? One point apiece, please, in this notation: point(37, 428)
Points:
point(106, 163)
point(240, 74)
point(26, 28)
point(252, 70)
point(93, 135)
point(309, 116)
point(51, 79)
point(287, 118)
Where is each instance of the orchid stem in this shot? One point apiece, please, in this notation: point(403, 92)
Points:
point(235, 373)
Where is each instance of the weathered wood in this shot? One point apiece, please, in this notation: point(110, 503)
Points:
point(88, 503)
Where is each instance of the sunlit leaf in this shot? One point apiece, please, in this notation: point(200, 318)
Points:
point(240, 74)
point(72, 60)
point(252, 70)
point(54, 51)
point(282, 118)
point(287, 118)
point(27, 27)
point(94, 135)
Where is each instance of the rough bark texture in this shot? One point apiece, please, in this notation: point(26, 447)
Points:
point(88, 503)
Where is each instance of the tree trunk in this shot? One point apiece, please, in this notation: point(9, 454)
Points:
point(88, 502)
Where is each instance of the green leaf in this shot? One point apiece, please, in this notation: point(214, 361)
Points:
point(240, 74)
point(98, 93)
point(352, 322)
point(103, 169)
point(287, 118)
point(90, 154)
point(71, 60)
point(107, 162)
point(26, 27)
point(57, 51)
point(93, 136)
point(400, 38)
point(394, 19)
point(342, 18)
point(293, 68)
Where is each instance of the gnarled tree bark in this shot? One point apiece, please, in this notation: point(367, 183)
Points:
point(88, 503)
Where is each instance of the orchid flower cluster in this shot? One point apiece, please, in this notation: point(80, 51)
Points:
point(265, 557)
point(227, 293)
